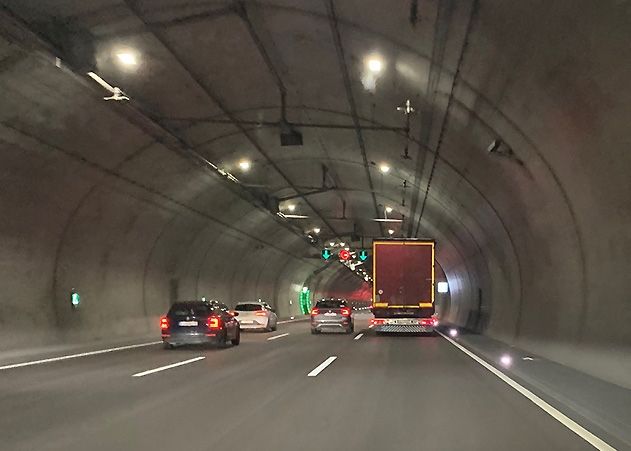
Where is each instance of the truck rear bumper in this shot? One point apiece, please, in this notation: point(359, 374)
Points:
point(403, 328)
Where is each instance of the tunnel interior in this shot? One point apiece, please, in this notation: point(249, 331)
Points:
point(478, 123)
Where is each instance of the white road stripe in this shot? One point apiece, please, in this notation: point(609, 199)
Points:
point(74, 356)
point(358, 337)
point(318, 369)
point(547, 408)
point(277, 336)
point(168, 367)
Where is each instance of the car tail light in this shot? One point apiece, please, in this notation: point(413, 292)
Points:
point(427, 321)
point(346, 312)
point(261, 313)
point(231, 312)
point(377, 321)
point(164, 323)
point(315, 311)
point(213, 322)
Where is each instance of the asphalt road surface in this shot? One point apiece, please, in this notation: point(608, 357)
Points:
point(379, 393)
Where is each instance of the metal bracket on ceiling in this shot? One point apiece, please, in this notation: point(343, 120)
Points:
point(408, 110)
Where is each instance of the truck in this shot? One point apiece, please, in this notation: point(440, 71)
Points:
point(403, 286)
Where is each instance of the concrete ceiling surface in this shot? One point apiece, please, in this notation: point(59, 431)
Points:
point(130, 202)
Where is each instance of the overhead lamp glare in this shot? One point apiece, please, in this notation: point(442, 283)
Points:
point(374, 64)
point(316, 230)
point(384, 168)
point(127, 58)
point(245, 165)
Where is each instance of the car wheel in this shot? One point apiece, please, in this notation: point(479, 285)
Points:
point(315, 331)
point(275, 327)
point(236, 340)
point(168, 345)
point(222, 341)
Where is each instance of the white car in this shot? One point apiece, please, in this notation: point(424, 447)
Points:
point(256, 315)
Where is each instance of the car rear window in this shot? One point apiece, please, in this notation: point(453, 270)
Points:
point(330, 303)
point(248, 307)
point(190, 309)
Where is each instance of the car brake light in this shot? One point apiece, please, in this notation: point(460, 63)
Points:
point(213, 322)
point(261, 313)
point(427, 321)
point(346, 312)
point(164, 323)
point(315, 311)
point(377, 321)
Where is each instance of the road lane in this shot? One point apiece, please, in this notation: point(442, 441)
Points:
point(382, 392)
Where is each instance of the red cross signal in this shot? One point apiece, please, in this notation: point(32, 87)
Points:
point(344, 255)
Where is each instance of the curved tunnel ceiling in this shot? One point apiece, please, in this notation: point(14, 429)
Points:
point(529, 231)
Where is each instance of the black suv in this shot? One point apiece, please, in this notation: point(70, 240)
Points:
point(199, 322)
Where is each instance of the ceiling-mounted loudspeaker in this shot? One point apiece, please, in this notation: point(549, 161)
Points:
point(289, 136)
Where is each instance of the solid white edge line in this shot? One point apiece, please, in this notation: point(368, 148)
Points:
point(547, 408)
point(74, 356)
point(358, 336)
point(318, 369)
point(168, 367)
point(277, 336)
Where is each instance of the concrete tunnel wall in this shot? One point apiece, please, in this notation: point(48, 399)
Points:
point(546, 241)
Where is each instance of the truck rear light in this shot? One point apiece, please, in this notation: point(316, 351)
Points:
point(377, 321)
point(426, 321)
point(346, 312)
point(164, 323)
point(213, 322)
point(261, 313)
point(315, 312)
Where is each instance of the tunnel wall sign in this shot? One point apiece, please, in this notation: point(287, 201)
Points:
point(75, 298)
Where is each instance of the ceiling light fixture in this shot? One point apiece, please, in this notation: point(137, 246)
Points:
point(127, 58)
point(391, 232)
point(316, 230)
point(384, 168)
point(388, 209)
point(245, 165)
point(374, 64)
point(291, 207)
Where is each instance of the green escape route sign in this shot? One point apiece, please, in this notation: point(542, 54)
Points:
point(304, 301)
point(75, 299)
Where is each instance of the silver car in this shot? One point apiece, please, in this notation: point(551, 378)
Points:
point(256, 315)
point(332, 315)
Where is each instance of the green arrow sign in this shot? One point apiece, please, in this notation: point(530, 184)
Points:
point(363, 255)
point(326, 254)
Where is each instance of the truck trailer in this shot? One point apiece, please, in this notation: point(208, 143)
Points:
point(403, 286)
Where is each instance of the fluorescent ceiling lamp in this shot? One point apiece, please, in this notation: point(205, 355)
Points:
point(374, 64)
point(291, 207)
point(245, 165)
point(443, 287)
point(296, 216)
point(316, 230)
point(388, 209)
point(127, 58)
point(387, 220)
point(384, 168)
